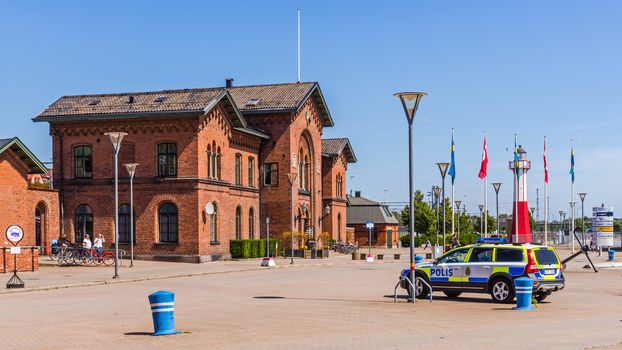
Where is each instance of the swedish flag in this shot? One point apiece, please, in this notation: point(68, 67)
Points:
point(452, 167)
point(516, 158)
point(572, 164)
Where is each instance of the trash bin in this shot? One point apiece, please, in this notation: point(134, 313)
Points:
point(163, 312)
point(524, 290)
point(612, 254)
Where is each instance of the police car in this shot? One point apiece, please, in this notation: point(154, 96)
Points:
point(490, 266)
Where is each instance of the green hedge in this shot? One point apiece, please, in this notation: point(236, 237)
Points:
point(251, 248)
point(465, 238)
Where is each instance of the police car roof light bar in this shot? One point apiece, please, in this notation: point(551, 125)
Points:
point(492, 240)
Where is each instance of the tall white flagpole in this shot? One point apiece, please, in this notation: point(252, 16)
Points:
point(486, 193)
point(546, 197)
point(571, 236)
point(298, 45)
point(452, 189)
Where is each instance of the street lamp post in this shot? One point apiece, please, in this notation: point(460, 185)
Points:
point(442, 167)
point(481, 220)
point(116, 138)
point(131, 169)
point(582, 196)
point(458, 202)
point(292, 179)
point(410, 102)
point(497, 187)
point(561, 221)
point(437, 195)
point(268, 237)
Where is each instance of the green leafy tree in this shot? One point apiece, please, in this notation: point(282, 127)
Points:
point(492, 223)
point(425, 221)
point(617, 226)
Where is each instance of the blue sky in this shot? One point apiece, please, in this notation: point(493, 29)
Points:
point(532, 67)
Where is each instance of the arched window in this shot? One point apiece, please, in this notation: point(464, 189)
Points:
point(84, 222)
point(238, 169)
point(251, 171)
point(217, 162)
point(213, 225)
point(251, 223)
point(83, 162)
point(238, 223)
point(339, 227)
point(167, 218)
point(301, 172)
point(307, 168)
point(167, 159)
point(339, 186)
point(125, 224)
point(210, 164)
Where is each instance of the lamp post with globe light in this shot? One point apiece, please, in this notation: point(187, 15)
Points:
point(410, 101)
point(442, 167)
point(116, 138)
point(131, 170)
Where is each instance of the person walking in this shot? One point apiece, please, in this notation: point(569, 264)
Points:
point(98, 244)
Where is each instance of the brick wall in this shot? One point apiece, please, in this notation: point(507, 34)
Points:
point(335, 222)
point(361, 235)
point(20, 203)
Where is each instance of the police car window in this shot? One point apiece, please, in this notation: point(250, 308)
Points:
point(509, 255)
point(457, 256)
point(546, 257)
point(481, 255)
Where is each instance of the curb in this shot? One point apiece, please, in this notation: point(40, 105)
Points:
point(148, 278)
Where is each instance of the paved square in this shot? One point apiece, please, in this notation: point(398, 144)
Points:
point(322, 304)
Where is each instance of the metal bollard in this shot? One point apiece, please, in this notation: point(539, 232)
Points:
point(524, 290)
point(612, 254)
point(163, 312)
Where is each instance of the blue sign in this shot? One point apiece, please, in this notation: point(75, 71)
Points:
point(369, 225)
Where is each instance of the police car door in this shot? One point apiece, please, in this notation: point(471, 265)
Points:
point(448, 270)
point(479, 268)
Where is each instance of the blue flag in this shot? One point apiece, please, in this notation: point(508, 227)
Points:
point(452, 167)
point(572, 164)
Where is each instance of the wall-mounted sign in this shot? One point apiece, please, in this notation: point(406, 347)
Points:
point(14, 234)
point(369, 225)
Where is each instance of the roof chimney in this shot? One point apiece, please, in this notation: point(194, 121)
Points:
point(228, 83)
point(130, 99)
point(357, 193)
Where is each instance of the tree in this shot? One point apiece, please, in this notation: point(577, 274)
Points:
point(617, 226)
point(492, 223)
point(425, 220)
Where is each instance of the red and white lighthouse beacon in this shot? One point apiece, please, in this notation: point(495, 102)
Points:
point(520, 231)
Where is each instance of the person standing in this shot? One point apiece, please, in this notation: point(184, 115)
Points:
point(98, 243)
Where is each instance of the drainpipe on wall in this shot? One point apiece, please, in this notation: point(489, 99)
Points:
point(61, 187)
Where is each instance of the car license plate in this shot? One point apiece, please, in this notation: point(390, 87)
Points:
point(549, 272)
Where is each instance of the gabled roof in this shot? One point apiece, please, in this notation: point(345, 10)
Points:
point(334, 147)
point(361, 210)
point(285, 97)
point(24, 154)
point(267, 98)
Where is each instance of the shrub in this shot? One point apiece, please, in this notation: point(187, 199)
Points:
point(251, 248)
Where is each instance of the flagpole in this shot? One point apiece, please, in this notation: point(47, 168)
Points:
point(571, 235)
point(452, 187)
point(546, 184)
point(486, 196)
point(516, 197)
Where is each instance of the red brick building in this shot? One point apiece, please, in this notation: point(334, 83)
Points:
point(34, 208)
point(336, 153)
point(362, 210)
point(231, 146)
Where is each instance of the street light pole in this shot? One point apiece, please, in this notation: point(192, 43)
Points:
point(497, 187)
point(437, 195)
point(582, 196)
point(115, 139)
point(442, 167)
point(292, 179)
point(131, 169)
point(268, 236)
point(410, 102)
point(481, 220)
point(458, 202)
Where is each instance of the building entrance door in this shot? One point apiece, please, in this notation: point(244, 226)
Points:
point(389, 238)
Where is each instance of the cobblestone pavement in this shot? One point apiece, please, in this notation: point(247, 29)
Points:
point(338, 304)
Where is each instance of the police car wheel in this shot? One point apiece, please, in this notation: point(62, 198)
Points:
point(452, 293)
point(502, 291)
point(421, 290)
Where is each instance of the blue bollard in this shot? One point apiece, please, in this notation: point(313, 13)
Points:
point(612, 254)
point(163, 312)
point(418, 259)
point(524, 289)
